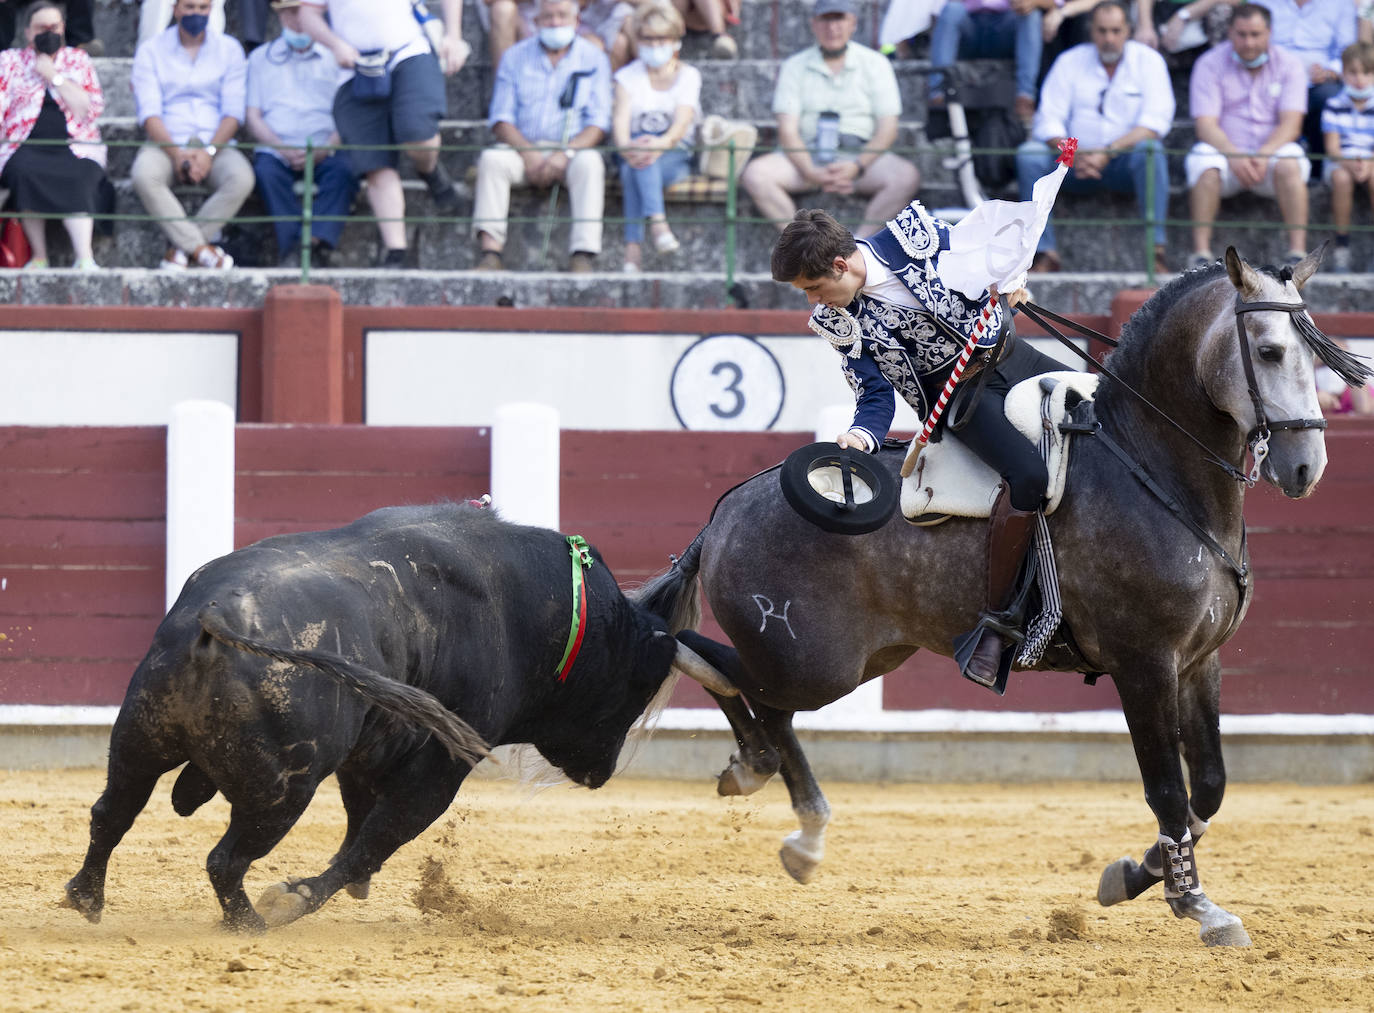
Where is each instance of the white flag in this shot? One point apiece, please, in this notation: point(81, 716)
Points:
point(995, 242)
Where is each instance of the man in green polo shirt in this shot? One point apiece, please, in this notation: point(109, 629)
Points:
point(837, 106)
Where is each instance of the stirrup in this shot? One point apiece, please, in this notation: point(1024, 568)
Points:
point(967, 643)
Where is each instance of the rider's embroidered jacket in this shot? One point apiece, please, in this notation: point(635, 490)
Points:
point(888, 347)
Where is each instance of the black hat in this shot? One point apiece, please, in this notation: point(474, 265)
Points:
point(838, 489)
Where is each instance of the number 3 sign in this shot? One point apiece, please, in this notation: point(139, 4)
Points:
point(727, 381)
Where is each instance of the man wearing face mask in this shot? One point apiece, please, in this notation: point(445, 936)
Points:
point(291, 85)
point(392, 94)
point(188, 86)
point(550, 108)
point(837, 106)
point(1248, 98)
point(1114, 95)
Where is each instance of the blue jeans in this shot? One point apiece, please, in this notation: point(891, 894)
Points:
point(959, 35)
point(1126, 173)
point(336, 186)
point(644, 188)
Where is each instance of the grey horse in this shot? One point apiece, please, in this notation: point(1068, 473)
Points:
point(1147, 598)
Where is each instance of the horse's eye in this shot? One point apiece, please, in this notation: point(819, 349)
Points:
point(1270, 353)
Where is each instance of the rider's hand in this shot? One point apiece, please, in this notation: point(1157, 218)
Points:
point(852, 440)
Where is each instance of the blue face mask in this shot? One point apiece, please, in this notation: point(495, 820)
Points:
point(657, 56)
point(556, 37)
point(194, 24)
point(1254, 64)
point(1360, 94)
point(296, 40)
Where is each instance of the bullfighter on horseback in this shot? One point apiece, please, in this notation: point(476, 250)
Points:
point(899, 327)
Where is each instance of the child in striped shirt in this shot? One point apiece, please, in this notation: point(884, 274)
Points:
point(1348, 135)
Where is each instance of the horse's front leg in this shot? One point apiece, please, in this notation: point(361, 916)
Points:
point(1150, 702)
point(803, 849)
point(755, 761)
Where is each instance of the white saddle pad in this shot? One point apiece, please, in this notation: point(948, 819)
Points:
point(951, 480)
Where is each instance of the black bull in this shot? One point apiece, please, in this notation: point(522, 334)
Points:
point(392, 653)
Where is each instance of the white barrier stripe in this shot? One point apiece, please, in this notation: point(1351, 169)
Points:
point(711, 719)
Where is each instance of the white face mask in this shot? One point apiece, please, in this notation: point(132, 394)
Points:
point(556, 37)
point(657, 56)
point(1360, 94)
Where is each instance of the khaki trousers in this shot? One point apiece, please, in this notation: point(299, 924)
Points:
point(230, 181)
point(501, 167)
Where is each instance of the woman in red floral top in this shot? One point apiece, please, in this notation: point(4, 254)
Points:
point(49, 92)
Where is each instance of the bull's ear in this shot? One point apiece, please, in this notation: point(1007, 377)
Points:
point(694, 666)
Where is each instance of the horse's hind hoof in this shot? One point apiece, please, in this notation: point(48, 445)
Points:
point(739, 779)
point(799, 861)
point(1111, 888)
point(282, 903)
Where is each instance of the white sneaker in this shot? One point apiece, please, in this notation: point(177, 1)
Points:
point(211, 256)
point(1340, 260)
point(174, 260)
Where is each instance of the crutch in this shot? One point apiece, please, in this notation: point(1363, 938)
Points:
point(565, 102)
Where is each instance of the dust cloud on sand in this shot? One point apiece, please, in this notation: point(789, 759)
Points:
point(661, 896)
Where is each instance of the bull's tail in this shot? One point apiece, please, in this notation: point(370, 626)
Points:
point(411, 704)
point(673, 595)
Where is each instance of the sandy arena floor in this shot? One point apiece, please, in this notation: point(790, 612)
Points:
point(661, 896)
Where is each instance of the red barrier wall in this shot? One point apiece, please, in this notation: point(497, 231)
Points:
point(82, 529)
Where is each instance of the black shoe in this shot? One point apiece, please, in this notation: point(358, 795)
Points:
point(441, 189)
point(321, 253)
point(291, 256)
point(394, 259)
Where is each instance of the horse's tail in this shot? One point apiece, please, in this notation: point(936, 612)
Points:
point(411, 704)
point(673, 595)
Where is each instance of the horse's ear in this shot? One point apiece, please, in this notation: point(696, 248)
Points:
point(1243, 276)
point(1308, 265)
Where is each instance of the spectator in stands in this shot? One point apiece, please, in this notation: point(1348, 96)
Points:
point(836, 105)
point(155, 15)
point(392, 94)
point(654, 122)
point(1176, 26)
point(291, 85)
point(1316, 32)
point(80, 31)
point(550, 108)
point(1248, 97)
point(1114, 95)
point(973, 29)
point(603, 22)
point(189, 89)
point(49, 91)
point(1348, 132)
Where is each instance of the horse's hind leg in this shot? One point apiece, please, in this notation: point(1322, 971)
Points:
point(803, 849)
point(1150, 701)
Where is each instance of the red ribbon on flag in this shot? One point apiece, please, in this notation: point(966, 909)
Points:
point(1067, 147)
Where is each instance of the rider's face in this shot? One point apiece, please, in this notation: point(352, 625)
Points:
point(836, 289)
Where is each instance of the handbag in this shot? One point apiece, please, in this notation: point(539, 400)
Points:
point(14, 245)
point(717, 133)
point(372, 76)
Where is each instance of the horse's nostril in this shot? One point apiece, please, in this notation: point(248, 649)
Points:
point(1303, 472)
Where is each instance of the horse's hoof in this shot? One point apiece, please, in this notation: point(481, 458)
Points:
point(1111, 888)
point(1233, 934)
point(738, 779)
point(282, 903)
point(800, 862)
point(360, 889)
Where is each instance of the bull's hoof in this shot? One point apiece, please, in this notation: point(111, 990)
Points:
point(282, 903)
point(360, 889)
point(1111, 888)
point(800, 861)
point(740, 779)
point(88, 905)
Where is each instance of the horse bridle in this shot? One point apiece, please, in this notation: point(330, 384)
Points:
point(1257, 440)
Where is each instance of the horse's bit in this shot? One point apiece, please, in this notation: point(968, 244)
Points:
point(1258, 438)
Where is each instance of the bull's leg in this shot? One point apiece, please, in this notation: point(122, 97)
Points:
point(358, 800)
point(1150, 701)
point(254, 830)
point(756, 760)
point(126, 793)
point(410, 799)
point(802, 849)
point(1199, 703)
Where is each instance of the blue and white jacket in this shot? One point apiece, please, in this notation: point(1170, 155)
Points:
point(886, 347)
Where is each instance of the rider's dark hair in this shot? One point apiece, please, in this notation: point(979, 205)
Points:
point(809, 245)
point(1248, 10)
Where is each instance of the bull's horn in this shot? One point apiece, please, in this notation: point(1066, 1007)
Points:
point(693, 665)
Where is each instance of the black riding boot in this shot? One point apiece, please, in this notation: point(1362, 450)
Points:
point(1009, 535)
